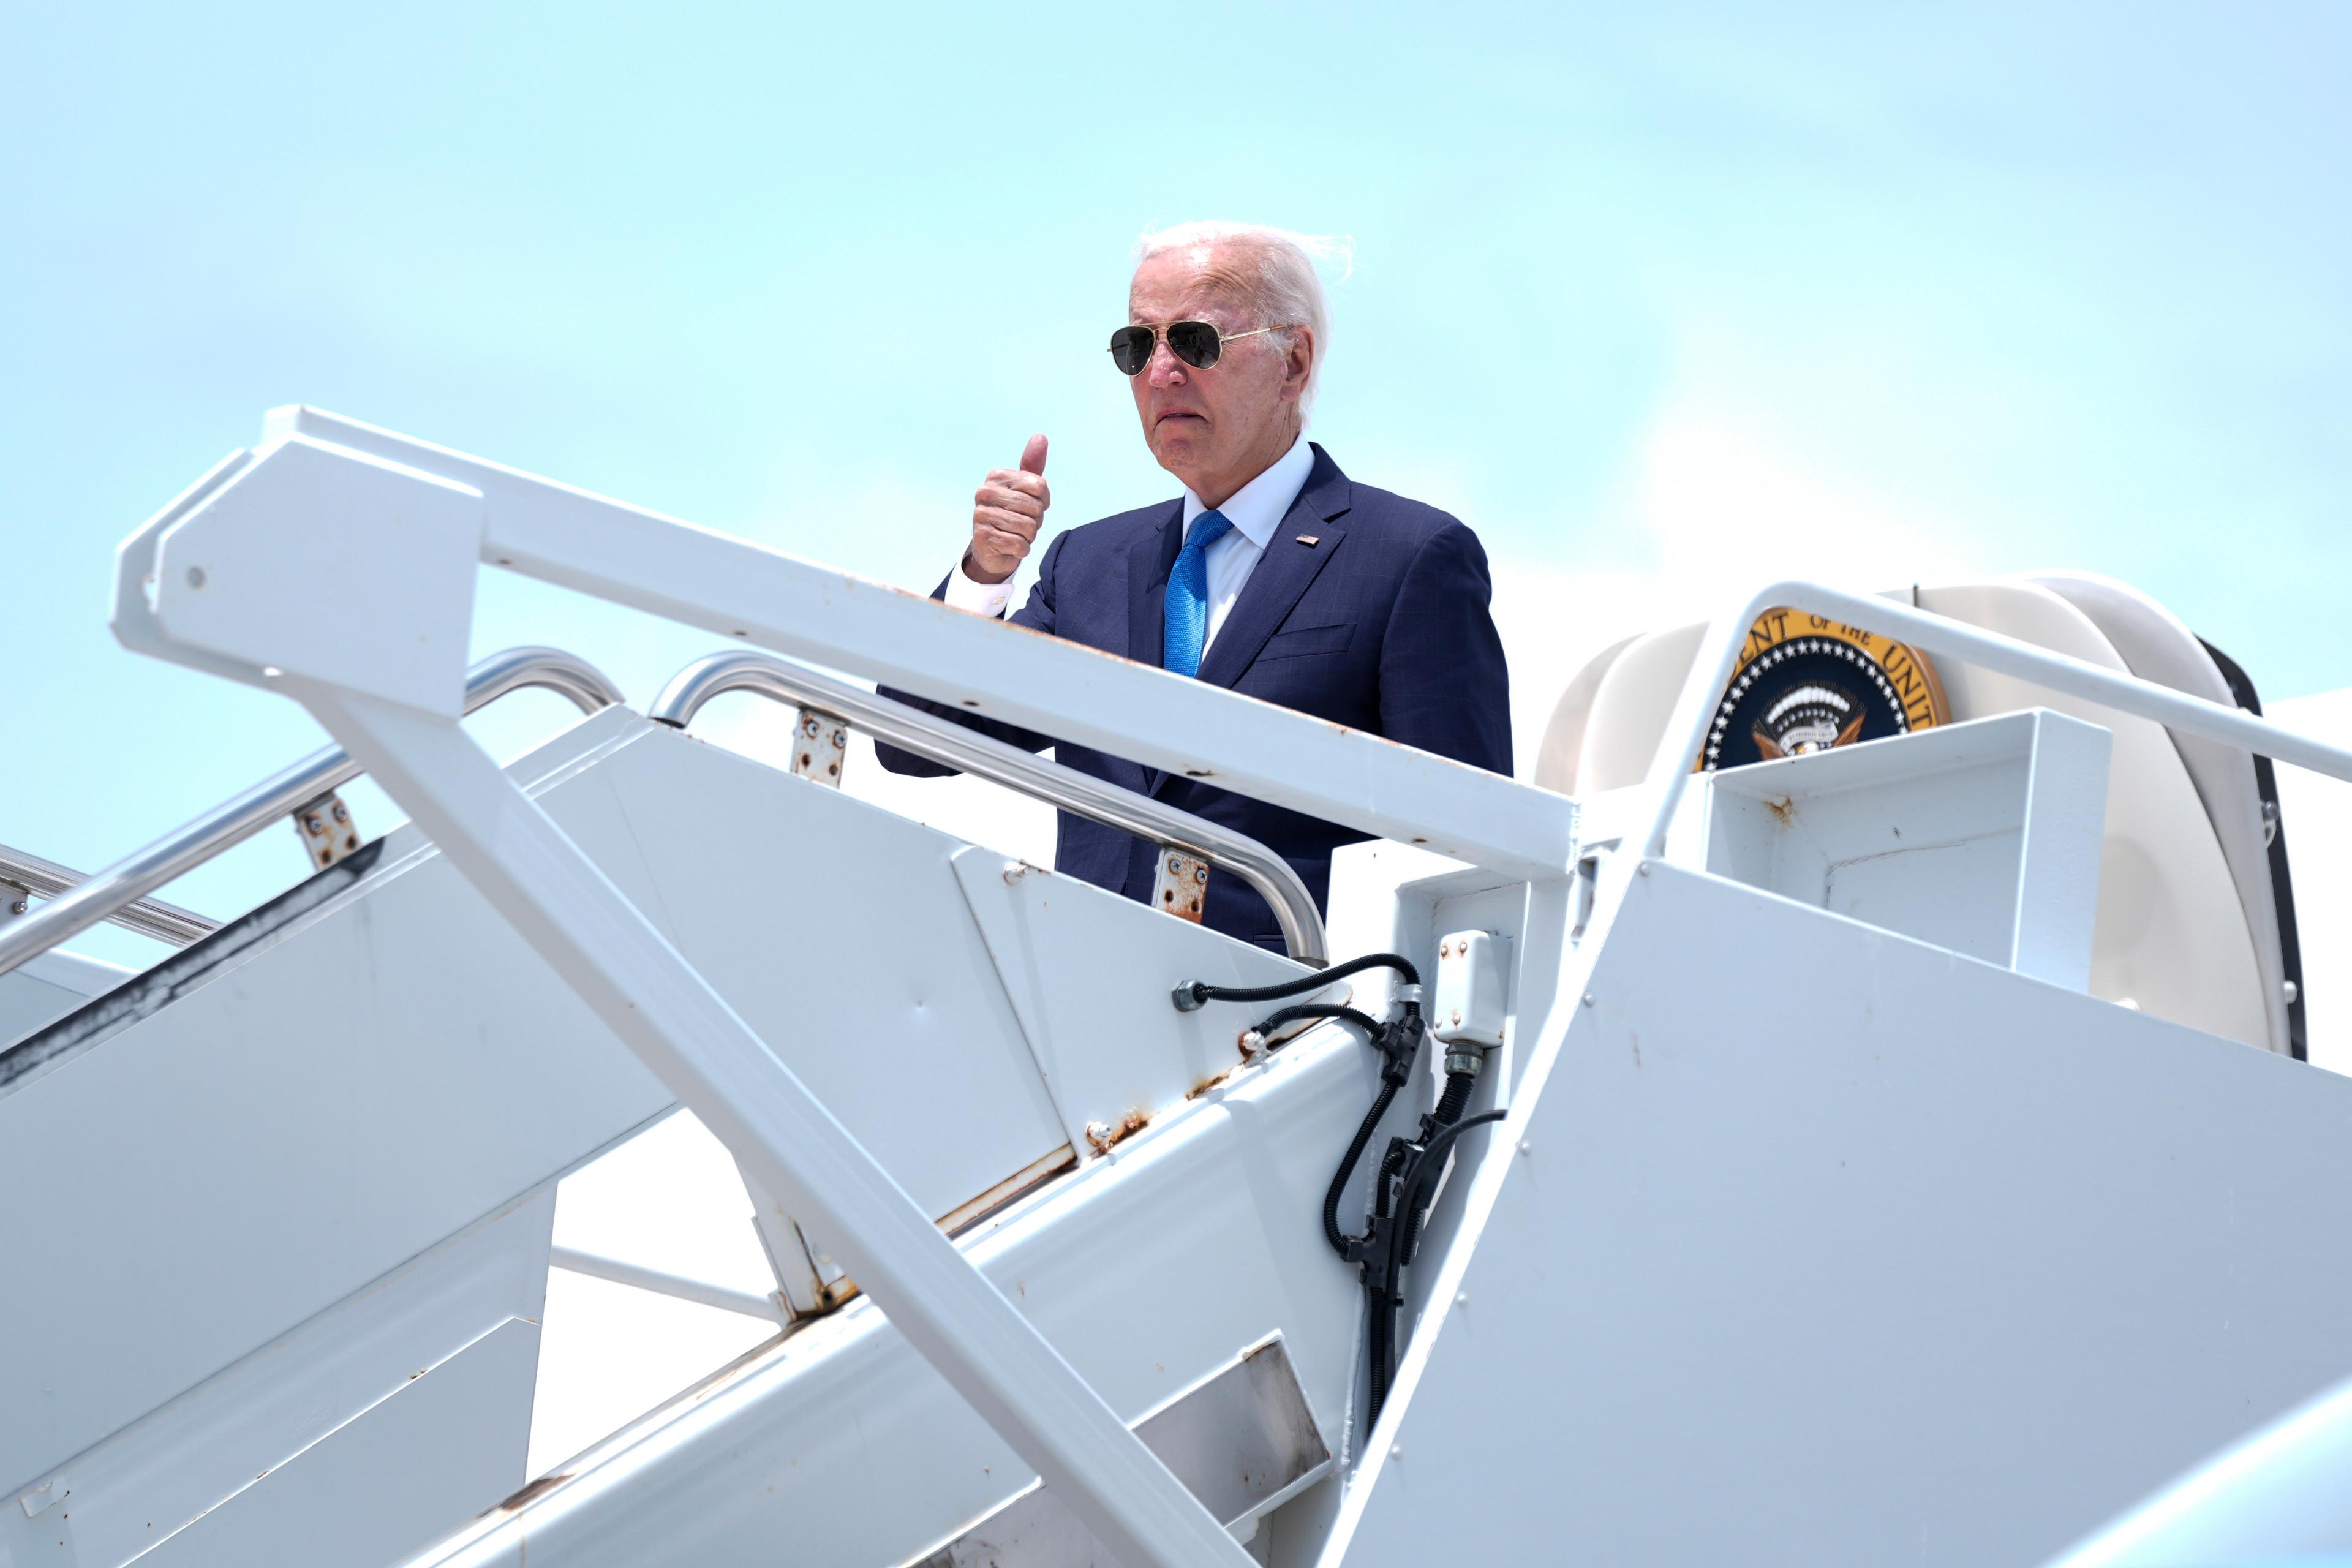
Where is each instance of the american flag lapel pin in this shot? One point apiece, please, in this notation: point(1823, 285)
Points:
point(1309, 539)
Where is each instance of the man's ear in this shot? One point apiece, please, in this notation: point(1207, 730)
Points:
point(1297, 362)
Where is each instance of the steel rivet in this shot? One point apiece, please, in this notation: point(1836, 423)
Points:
point(1590, 998)
point(1463, 1299)
point(1396, 1451)
point(195, 576)
point(1642, 870)
point(1526, 1148)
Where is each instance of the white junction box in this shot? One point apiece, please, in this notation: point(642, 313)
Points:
point(1471, 997)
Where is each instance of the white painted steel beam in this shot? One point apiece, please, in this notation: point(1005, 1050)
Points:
point(570, 537)
point(235, 571)
point(591, 934)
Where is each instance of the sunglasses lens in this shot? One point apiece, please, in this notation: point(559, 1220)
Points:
point(1196, 342)
point(1130, 349)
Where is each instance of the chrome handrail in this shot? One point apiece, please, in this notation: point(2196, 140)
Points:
point(148, 917)
point(1066, 789)
point(110, 892)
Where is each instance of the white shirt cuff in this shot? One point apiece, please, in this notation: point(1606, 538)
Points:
point(980, 598)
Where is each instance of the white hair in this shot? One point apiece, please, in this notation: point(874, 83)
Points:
point(1284, 283)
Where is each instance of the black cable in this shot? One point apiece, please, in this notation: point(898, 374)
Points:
point(1339, 1181)
point(1292, 1014)
point(1404, 1236)
point(1193, 993)
point(1412, 1210)
point(1456, 1100)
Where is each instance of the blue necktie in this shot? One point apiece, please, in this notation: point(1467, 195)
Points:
point(1188, 595)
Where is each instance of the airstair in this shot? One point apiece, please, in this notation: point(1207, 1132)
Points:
point(1745, 1166)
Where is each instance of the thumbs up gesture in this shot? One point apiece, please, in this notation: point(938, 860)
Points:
point(1005, 515)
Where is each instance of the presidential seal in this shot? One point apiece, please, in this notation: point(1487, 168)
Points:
point(1806, 683)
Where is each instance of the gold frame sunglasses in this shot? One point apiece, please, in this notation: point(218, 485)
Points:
point(1197, 343)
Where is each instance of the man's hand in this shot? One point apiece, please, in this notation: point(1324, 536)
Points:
point(1005, 515)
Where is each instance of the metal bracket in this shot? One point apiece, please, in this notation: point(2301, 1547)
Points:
point(1182, 886)
point(327, 830)
point(820, 746)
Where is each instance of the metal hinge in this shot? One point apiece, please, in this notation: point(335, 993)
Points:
point(327, 830)
point(820, 746)
point(1183, 884)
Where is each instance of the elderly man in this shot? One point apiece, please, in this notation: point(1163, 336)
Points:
point(1274, 574)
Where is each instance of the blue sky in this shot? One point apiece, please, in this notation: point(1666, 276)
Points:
point(1659, 298)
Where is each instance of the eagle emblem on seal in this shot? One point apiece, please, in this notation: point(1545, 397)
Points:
point(1805, 683)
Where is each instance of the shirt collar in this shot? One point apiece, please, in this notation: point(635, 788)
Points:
point(1256, 509)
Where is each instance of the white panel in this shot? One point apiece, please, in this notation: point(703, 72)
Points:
point(242, 1441)
point(1982, 837)
point(1146, 1271)
point(1829, 1248)
point(1083, 976)
point(440, 1451)
point(836, 931)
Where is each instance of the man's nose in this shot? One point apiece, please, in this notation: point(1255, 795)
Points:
point(1165, 369)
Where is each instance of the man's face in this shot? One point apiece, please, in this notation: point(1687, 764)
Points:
point(1215, 428)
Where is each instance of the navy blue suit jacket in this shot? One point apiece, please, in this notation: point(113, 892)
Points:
point(1380, 623)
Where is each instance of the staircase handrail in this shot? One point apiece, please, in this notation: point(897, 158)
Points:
point(115, 893)
point(983, 756)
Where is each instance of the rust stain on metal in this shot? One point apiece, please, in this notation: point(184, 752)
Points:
point(1182, 886)
point(962, 1219)
point(1112, 1134)
point(972, 1211)
point(1213, 1080)
point(1783, 810)
point(537, 1488)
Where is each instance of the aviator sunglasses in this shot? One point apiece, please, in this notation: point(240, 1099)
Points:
point(1197, 343)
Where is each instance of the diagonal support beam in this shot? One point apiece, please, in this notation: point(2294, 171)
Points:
point(599, 944)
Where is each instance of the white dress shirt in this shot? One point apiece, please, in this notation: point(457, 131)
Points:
point(1256, 511)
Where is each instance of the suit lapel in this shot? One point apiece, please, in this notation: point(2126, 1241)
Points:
point(1282, 574)
point(1149, 564)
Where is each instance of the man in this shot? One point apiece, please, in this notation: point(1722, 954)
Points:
point(1274, 574)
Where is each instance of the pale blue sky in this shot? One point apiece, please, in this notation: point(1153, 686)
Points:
point(1658, 298)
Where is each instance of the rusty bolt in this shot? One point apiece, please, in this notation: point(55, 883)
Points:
point(1457, 1017)
point(1444, 949)
point(1174, 864)
point(343, 812)
point(1200, 873)
point(312, 823)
